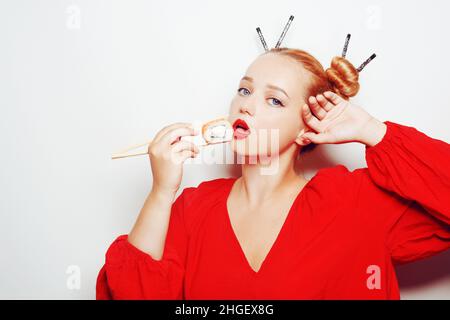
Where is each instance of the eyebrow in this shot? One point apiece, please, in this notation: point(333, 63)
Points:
point(270, 86)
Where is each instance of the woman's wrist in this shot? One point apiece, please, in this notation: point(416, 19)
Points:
point(162, 194)
point(372, 132)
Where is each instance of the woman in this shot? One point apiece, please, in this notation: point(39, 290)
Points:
point(279, 235)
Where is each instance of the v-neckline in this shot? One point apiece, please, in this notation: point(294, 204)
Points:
point(229, 225)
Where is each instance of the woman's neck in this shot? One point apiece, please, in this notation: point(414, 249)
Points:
point(259, 181)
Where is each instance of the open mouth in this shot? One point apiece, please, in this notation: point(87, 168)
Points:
point(240, 124)
point(241, 129)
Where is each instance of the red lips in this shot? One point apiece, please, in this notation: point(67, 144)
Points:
point(241, 129)
point(239, 123)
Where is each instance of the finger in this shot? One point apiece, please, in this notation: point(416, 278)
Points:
point(324, 102)
point(168, 128)
point(333, 97)
point(182, 156)
point(185, 145)
point(174, 135)
point(309, 119)
point(319, 138)
point(318, 111)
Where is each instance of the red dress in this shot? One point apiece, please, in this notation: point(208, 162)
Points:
point(341, 239)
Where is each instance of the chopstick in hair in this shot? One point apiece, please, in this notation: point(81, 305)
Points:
point(284, 31)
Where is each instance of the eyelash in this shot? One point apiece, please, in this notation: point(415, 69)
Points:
point(280, 103)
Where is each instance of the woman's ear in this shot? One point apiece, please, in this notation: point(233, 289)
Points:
point(301, 141)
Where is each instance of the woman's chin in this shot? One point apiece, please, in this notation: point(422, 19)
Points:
point(253, 145)
point(242, 149)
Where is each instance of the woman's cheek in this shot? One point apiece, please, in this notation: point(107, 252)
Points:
point(234, 106)
point(286, 135)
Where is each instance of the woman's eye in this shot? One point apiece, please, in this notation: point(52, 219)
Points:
point(277, 102)
point(239, 90)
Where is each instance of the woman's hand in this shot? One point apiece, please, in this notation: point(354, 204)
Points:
point(167, 154)
point(335, 120)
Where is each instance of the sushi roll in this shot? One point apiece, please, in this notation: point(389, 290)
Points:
point(217, 131)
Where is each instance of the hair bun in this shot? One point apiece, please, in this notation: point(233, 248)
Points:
point(343, 77)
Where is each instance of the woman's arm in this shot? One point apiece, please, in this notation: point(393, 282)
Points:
point(149, 262)
point(414, 166)
point(130, 273)
point(406, 184)
point(400, 158)
point(150, 229)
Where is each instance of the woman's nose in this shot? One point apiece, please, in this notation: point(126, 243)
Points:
point(246, 109)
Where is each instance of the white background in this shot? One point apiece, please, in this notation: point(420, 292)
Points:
point(80, 80)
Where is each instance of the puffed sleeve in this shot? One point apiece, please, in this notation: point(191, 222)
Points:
point(129, 273)
point(414, 166)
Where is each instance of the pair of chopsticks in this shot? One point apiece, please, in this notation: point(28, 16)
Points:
point(123, 154)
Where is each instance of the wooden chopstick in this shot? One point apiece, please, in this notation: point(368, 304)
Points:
point(122, 154)
point(118, 156)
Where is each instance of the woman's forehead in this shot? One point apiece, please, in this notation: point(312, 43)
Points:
point(277, 70)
